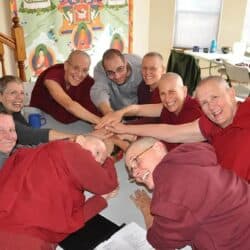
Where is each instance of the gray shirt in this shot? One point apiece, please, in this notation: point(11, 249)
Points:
point(119, 96)
point(3, 157)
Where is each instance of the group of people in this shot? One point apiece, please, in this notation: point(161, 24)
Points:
point(192, 153)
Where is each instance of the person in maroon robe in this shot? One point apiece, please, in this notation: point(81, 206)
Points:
point(176, 107)
point(152, 69)
point(42, 199)
point(224, 124)
point(195, 201)
point(63, 90)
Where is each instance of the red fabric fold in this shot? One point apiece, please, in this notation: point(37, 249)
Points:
point(42, 189)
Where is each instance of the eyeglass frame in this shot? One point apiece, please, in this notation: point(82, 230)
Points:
point(134, 161)
point(111, 74)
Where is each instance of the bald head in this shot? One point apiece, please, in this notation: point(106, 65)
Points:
point(76, 54)
point(142, 157)
point(217, 100)
point(93, 144)
point(172, 92)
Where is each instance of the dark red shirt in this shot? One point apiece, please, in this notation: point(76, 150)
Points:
point(197, 202)
point(42, 99)
point(43, 190)
point(189, 112)
point(146, 96)
point(233, 142)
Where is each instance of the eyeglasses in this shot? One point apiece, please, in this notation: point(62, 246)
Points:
point(111, 74)
point(78, 69)
point(135, 161)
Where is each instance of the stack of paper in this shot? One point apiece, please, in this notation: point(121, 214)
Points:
point(130, 237)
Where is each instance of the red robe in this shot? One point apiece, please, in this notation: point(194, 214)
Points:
point(231, 143)
point(42, 99)
point(189, 112)
point(146, 96)
point(196, 202)
point(42, 190)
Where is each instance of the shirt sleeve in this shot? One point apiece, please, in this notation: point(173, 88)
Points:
point(170, 229)
point(93, 206)
point(100, 91)
point(30, 136)
point(206, 127)
point(88, 173)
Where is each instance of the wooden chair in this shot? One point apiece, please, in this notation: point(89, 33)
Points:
point(15, 41)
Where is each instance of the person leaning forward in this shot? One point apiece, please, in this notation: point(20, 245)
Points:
point(117, 78)
point(194, 202)
point(66, 89)
point(225, 124)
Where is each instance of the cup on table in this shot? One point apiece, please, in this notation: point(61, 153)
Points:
point(196, 48)
point(36, 120)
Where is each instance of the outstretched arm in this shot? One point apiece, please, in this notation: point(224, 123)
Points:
point(188, 132)
point(146, 110)
point(73, 107)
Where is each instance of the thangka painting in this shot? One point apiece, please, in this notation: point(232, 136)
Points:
point(53, 28)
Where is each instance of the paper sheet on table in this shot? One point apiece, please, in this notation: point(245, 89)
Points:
point(131, 237)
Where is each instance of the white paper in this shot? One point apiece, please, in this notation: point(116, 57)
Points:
point(131, 237)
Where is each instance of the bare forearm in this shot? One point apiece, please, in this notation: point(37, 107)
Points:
point(57, 135)
point(79, 111)
point(105, 108)
point(188, 132)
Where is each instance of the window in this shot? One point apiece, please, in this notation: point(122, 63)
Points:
point(196, 22)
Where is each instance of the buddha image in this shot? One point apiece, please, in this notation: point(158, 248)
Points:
point(81, 37)
point(41, 59)
point(117, 42)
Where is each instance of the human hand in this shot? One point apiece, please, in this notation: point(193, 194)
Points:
point(111, 117)
point(111, 194)
point(101, 133)
point(142, 201)
point(117, 128)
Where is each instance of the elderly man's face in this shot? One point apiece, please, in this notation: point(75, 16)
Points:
point(172, 95)
point(8, 135)
point(95, 146)
point(76, 69)
point(139, 165)
point(217, 102)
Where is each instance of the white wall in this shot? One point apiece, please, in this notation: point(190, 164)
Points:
point(141, 23)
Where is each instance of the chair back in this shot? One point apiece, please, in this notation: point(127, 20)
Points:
point(237, 74)
point(187, 67)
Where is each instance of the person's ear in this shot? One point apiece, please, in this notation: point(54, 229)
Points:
point(159, 147)
point(185, 90)
point(66, 65)
point(232, 92)
point(80, 139)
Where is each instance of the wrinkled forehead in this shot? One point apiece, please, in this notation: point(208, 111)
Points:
point(209, 88)
point(113, 63)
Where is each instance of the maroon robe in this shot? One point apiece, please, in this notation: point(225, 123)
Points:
point(42, 190)
point(189, 112)
point(196, 202)
point(233, 142)
point(42, 99)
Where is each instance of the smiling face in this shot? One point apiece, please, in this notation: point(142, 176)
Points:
point(116, 69)
point(12, 97)
point(141, 159)
point(8, 135)
point(152, 70)
point(76, 68)
point(172, 92)
point(217, 102)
